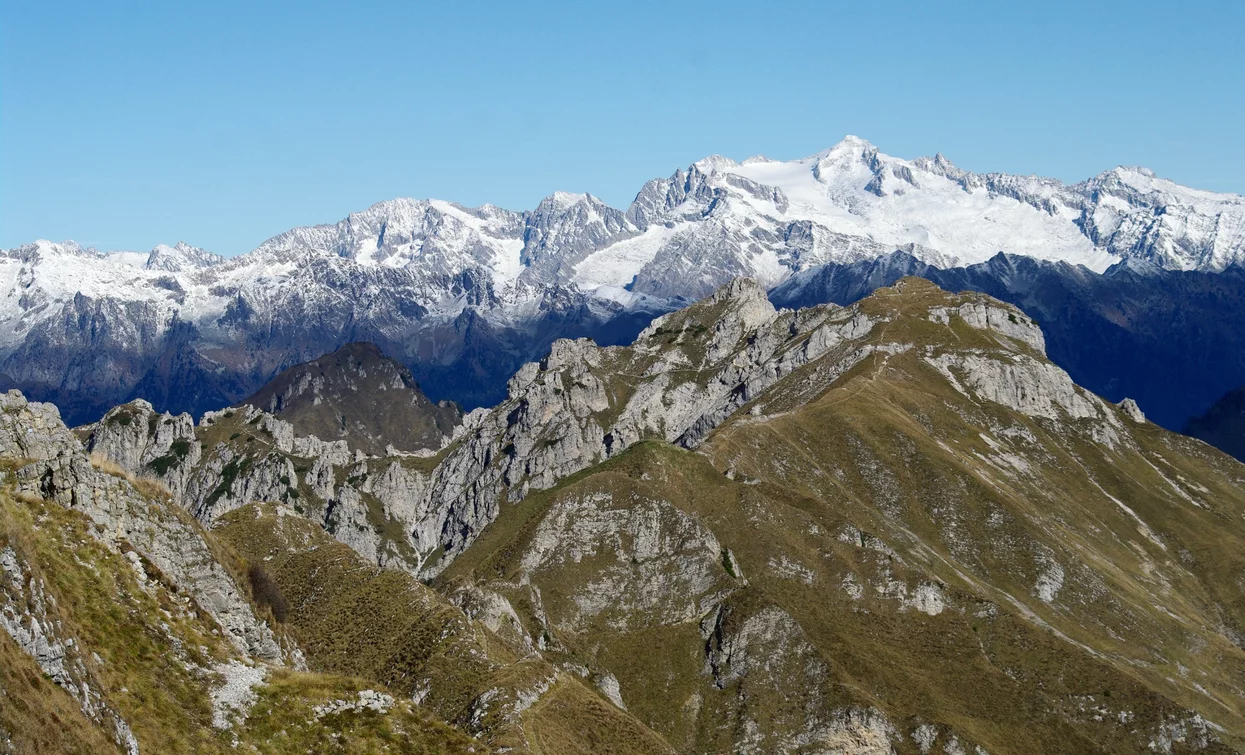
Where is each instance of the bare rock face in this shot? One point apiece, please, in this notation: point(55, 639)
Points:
point(685, 374)
point(1031, 387)
point(752, 651)
point(148, 443)
point(1132, 411)
point(630, 566)
point(986, 314)
point(54, 466)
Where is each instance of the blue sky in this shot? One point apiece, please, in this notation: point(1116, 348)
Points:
point(128, 124)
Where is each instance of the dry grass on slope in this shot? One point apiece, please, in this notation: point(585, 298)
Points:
point(151, 655)
point(148, 486)
point(354, 618)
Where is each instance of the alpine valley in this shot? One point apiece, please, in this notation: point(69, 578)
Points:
point(849, 455)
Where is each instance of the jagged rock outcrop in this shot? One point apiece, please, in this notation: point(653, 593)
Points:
point(682, 376)
point(50, 463)
point(926, 527)
point(657, 565)
point(1032, 387)
point(148, 443)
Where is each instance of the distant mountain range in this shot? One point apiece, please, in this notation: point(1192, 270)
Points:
point(1124, 270)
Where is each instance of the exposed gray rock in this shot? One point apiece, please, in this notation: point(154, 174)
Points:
point(56, 468)
point(652, 564)
point(1019, 382)
point(148, 443)
point(986, 314)
point(750, 652)
point(1132, 411)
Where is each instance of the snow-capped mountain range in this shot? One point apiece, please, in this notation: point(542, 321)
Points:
point(450, 289)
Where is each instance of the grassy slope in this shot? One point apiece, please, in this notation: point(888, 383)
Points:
point(149, 652)
point(351, 617)
point(36, 716)
point(884, 477)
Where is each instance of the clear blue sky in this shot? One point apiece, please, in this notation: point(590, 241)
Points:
point(128, 124)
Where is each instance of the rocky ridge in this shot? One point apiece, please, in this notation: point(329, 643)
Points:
point(1171, 341)
point(893, 526)
point(51, 465)
point(684, 375)
point(168, 640)
point(948, 533)
point(582, 404)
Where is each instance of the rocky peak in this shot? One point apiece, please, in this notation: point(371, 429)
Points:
point(714, 163)
point(845, 157)
point(659, 198)
point(734, 310)
point(564, 228)
point(146, 442)
point(181, 257)
point(42, 249)
point(359, 395)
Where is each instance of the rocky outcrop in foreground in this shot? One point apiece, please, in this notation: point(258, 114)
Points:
point(47, 461)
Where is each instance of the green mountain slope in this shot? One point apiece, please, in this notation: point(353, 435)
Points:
point(124, 661)
point(949, 546)
point(351, 617)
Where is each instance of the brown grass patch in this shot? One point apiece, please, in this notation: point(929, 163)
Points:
point(148, 486)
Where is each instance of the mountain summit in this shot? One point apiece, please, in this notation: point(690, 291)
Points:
point(359, 395)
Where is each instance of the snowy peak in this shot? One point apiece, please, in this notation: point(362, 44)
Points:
point(561, 200)
point(1155, 220)
point(680, 238)
point(181, 257)
point(42, 248)
point(849, 151)
point(714, 163)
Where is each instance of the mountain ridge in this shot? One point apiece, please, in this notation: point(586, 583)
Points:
point(888, 528)
point(464, 296)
